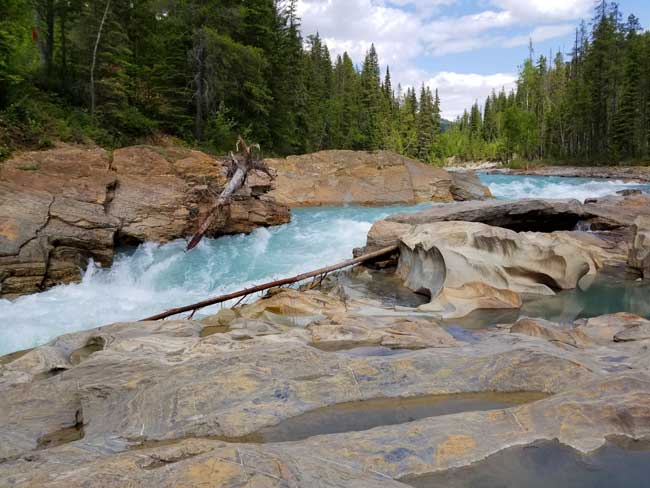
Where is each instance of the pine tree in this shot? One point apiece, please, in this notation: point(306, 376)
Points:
point(14, 49)
point(425, 125)
point(370, 123)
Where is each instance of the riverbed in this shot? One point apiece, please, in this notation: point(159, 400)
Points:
point(154, 277)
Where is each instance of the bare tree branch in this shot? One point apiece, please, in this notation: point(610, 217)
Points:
point(238, 167)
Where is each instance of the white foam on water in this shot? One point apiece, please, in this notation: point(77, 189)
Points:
point(516, 187)
point(155, 277)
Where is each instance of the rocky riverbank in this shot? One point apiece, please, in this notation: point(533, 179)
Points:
point(365, 378)
point(626, 173)
point(367, 178)
point(61, 207)
point(213, 402)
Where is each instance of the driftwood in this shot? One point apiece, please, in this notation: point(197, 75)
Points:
point(238, 167)
point(273, 284)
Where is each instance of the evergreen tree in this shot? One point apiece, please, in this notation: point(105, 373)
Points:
point(371, 103)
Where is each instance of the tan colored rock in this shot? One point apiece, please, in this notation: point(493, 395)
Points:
point(466, 266)
point(452, 254)
point(156, 404)
point(465, 185)
point(162, 190)
point(343, 336)
point(605, 328)
point(460, 302)
point(293, 308)
point(223, 317)
point(614, 211)
point(162, 381)
point(640, 250)
point(639, 332)
point(416, 334)
point(519, 215)
point(61, 207)
point(400, 334)
point(357, 177)
point(551, 332)
point(385, 233)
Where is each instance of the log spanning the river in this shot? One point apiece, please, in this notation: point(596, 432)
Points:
point(274, 284)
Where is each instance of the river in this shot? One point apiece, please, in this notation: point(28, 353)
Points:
point(154, 277)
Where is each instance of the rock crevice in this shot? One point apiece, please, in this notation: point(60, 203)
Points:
point(61, 207)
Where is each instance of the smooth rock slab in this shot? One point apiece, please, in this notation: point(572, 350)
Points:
point(358, 177)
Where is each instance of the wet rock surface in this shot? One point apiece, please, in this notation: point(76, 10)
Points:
point(61, 207)
point(160, 403)
point(640, 250)
point(613, 215)
point(366, 178)
point(467, 186)
point(464, 266)
point(636, 173)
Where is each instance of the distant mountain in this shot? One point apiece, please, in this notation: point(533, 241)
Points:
point(445, 125)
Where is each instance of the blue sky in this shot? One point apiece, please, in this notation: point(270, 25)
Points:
point(465, 48)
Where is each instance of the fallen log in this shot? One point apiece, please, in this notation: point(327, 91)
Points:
point(273, 284)
point(238, 168)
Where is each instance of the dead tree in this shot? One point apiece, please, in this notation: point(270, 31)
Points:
point(322, 272)
point(238, 167)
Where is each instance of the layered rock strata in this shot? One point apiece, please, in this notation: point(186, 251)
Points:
point(61, 207)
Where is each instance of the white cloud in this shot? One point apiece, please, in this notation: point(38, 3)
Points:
point(545, 10)
point(461, 90)
point(406, 31)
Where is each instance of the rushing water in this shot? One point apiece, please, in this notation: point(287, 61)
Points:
point(515, 187)
point(152, 277)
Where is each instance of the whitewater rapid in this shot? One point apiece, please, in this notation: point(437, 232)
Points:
point(154, 277)
point(554, 187)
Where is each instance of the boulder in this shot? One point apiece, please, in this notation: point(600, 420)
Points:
point(357, 177)
point(640, 250)
point(616, 211)
point(459, 302)
point(61, 207)
point(555, 333)
point(402, 334)
point(465, 185)
point(606, 328)
point(465, 266)
point(519, 215)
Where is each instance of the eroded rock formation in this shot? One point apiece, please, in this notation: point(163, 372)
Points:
point(165, 404)
point(475, 255)
point(465, 266)
point(61, 207)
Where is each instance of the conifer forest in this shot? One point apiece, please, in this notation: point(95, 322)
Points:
point(115, 72)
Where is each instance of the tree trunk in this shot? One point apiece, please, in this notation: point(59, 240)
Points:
point(64, 45)
point(239, 167)
point(200, 60)
point(234, 184)
point(274, 284)
point(49, 40)
point(94, 62)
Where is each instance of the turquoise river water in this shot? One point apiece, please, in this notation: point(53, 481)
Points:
point(153, 277)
